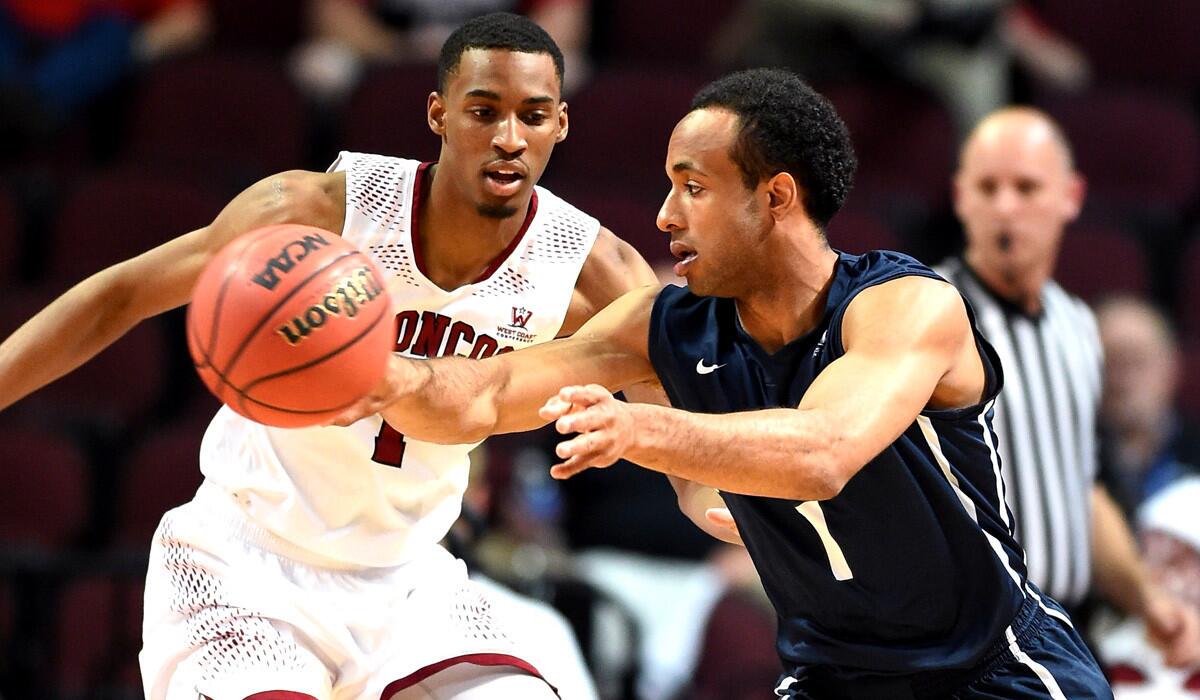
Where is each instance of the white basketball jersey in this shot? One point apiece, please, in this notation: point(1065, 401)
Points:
point(364, 495)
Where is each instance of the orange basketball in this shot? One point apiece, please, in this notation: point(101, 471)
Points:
point(289, 325)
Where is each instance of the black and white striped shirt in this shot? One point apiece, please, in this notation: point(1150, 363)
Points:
point(1046, 420)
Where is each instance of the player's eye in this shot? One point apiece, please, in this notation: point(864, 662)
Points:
point(482, 112)
point(535, 118)
point(987, 187)
point(692, 188)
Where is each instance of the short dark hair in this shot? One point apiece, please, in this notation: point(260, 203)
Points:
point(498, 30)
point(786, 126)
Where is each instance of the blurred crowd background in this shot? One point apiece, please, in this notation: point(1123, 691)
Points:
point(124, 123)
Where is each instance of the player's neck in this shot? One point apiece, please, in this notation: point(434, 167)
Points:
point(788, 300)
point(458, 244)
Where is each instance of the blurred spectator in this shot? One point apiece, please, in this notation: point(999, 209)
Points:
point(58, 55)
point(1170, 534)
point(1170, 531)
point(960, 50)
point(1147, 444)
point(348, 36)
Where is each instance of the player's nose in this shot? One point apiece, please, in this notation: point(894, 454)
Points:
point(669, 218)
point(509, 137)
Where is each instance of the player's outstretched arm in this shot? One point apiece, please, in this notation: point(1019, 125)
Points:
point(455, 400)
point(96, 312)
point(908, 345)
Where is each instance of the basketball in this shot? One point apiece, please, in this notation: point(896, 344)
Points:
point(289, 325)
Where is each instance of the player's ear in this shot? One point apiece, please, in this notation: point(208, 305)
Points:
point(562, 123)
point(783, 195)
point(435, 113)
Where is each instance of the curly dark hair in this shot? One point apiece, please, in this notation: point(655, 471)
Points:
point(498, 30)
point(786, 126)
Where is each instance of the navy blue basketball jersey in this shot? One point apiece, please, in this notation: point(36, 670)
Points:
point(913, 566)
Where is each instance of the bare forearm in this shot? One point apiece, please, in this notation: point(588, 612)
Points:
point(63, 336)
point(782, 453)
point(1117, 570)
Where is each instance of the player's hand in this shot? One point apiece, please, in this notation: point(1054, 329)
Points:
point(1173, 627)
point(605, 426)
point(727, 530)
point(388, 390)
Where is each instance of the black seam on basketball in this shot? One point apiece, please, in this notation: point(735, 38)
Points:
point(249, 336)
point(243, 399)
point(222, 380)
point(313, 362)
point(231, 271)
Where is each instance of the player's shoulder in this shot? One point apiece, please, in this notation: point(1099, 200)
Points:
point(874, 265)
point(293, 196)
point(888, 279)
point(915, 308)
point(356, 160)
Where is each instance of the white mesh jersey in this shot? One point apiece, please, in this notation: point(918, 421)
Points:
point(364, 495)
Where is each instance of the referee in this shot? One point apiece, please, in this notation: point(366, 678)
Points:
point(1015, 190)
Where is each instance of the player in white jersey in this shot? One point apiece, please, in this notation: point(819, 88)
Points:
point(308, 567)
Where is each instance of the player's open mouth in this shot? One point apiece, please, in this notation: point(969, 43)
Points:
point(503, 179)
point(684, 254)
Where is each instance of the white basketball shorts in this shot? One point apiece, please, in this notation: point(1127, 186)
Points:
point(232, 610)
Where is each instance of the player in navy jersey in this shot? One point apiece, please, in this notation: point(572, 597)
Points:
point(840, 404)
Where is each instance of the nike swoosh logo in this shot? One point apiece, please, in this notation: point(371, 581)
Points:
point(702, 368)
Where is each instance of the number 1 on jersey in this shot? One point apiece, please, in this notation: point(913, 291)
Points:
point(389, 447)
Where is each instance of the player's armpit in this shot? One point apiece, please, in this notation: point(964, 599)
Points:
point(453, 400)
point(908, 345)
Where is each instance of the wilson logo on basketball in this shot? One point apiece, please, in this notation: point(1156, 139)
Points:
point(344, 299)
point(287, 258)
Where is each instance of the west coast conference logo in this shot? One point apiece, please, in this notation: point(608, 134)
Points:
point(517, 329)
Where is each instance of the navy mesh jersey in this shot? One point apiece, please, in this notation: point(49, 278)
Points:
point(913, 566)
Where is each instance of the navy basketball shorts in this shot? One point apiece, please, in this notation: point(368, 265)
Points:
point(1040, 656)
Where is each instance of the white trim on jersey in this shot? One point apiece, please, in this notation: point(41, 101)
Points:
point(995, 455)
point(935, 447)
point(1039, 670)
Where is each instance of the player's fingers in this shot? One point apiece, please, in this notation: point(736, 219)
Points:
point(554, 408)
point(582, 421)
point(577, 446)
point(568, 468)
point(584, 395)
point(592, 449)
point(721, 517)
